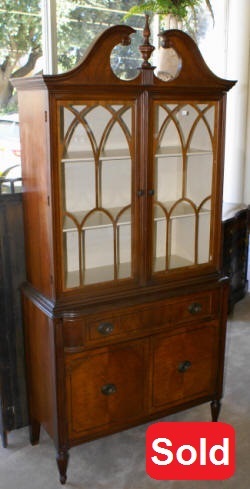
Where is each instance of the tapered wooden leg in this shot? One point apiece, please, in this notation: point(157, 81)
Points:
point(215, 409)
point(62, 463)
point(34, 431)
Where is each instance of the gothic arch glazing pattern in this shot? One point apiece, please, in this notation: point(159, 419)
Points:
point(183, 176)
point(96, 174)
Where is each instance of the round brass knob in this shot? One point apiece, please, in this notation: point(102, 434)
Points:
point(184, 366)
point(108, 389)
point(105, 328)
point(195, 308)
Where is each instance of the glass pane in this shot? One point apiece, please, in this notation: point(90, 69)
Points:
point(20, 56)
point(116, 174)
point(160, 239)
point(96, 171)
point(124, 243)
point(204, 224)
point(183, 177)
point(168, 169)
point(71, 246)
point(98, 253)
point(125, 60)
point(182, 236)
point(79, 185)
point(199, 177)
point(79, 23)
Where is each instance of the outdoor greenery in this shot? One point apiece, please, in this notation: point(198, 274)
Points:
point(192, 14)
point(83, 22)
point(20, 36)
point(78, 22)
point(178, 8)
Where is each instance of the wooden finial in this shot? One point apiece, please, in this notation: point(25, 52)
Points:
point(146, 48)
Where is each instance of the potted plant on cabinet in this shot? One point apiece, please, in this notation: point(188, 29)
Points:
point(173, 14)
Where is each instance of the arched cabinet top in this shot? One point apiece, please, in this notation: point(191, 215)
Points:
point(95, 69)
point(194, 70)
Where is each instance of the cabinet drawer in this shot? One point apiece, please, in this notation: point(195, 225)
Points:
point(184, 365)
point(104, 327)
point(105, 387)
point(151, 317)
point(79, 333)
point(107, 327)
point(94, 330)
point(128, 322)
point(196, 307)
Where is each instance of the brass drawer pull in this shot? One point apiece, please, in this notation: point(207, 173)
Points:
point(108, 389)
point(105, 328)
point(184, 366)
point(195, 308)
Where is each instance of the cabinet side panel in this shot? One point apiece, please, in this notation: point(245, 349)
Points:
point(40, 366)
point(36, 182)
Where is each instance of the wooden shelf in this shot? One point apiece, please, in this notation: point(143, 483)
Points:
point(182, 210)
point(98, 219)
point(98, 274)
point(82, 156)
point(175, 261)
point(123, 154)
point(170, 151)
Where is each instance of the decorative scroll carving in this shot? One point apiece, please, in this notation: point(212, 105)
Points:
point(126, 40)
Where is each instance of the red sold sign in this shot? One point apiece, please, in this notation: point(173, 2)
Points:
point(190, 451)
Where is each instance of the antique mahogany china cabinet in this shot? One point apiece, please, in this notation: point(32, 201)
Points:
point(125, 302)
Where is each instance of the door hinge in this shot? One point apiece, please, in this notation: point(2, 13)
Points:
point(45, 115)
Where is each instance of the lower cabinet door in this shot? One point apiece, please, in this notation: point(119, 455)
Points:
point(184, 365)
point(105, 387)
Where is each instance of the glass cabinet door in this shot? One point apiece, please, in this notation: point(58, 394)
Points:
point(96, 191)
point(183, 177)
